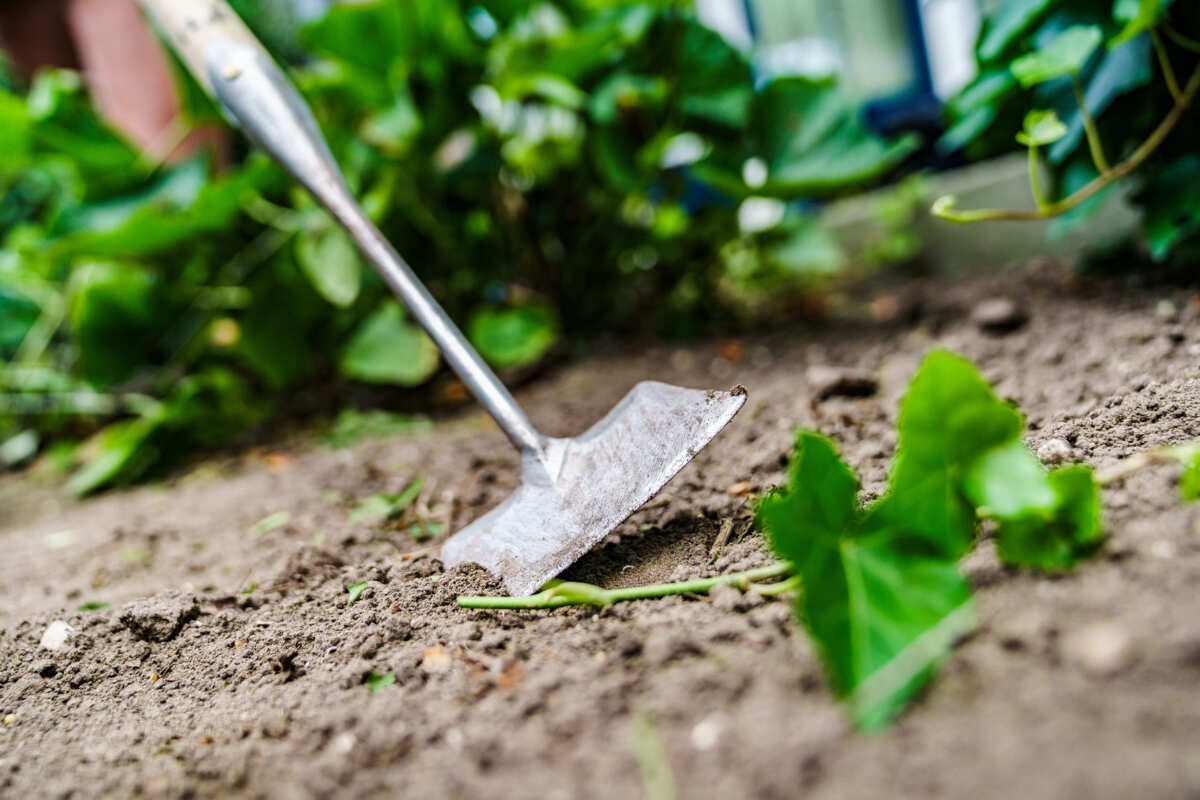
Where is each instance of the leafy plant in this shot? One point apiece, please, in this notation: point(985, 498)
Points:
point(1109, 106)
point(550, 170)
point(376, 681)
point(356, 591)
point(379, 507)
point(879, 588)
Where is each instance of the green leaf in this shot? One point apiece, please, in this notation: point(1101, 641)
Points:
point(369, 35)
point(1008, 481)
point(356, 591)
point(1189, 481)
point(120, 452)
point(948, 418)
point(1121, 70)
point(269, 523)
point(353, 425)
point(624, 92)
point(1056, 539)
point(1064, 55)
point(1139, 16)
point(715, 82)
point(327, 256)
point(808, 250)
point(814, 142)
point(1041, 128)
point(873, 591)
point(116, 315)
point(92, 605)
point(16, 133)
point(386, 349)
point(375, 681)
point(379, 507)
point(1011, 19)
point(1171, 200)
point(514, 337)
point(395, 128)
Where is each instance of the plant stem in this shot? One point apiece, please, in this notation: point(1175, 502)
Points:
point(1139, 461)
point(1164, 61)
point(1090, 130)
point(1035, 183)
point(567, 594)
point(944, 208)
point(1181, 40)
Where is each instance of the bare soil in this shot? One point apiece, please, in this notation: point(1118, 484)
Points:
point(231, 664)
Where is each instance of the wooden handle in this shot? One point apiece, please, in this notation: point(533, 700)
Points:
point(192, 24)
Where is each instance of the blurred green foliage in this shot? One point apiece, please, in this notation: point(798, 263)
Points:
point(548, 169)
point(1128, 63)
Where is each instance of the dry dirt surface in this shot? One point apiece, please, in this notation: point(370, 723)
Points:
point(229, 661)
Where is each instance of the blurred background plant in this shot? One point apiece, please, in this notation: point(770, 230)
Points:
point(1098, 92)
point(549, 169)
point(552, 170)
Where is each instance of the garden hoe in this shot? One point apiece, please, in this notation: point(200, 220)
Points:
point(572, 491)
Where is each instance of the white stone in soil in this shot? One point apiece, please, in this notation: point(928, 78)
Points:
point(56, 635)
point(1101, 649)
point(1054, 451)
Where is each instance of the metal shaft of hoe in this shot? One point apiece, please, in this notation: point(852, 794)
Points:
point(573, 491)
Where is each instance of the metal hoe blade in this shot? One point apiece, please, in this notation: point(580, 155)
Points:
point(573, 491)
point(591, 483)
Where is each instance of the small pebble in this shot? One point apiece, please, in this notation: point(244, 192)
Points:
point(1054, 451)
point(9, 719)
point(1101, 649)
point(725, 597)
point(999, 315)
point(56, 635)
point(706, 734)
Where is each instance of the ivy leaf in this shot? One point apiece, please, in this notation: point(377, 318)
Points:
point(1011, 20)
point(1065, 55)
point(1139, 16)
point(1041, 128)
point(1057, 539)
point(1009, 482)
point(329, 259)
point(514, 337)
point(873, 591)
point(948, 418)
point(1171, 197)
point(387, 349)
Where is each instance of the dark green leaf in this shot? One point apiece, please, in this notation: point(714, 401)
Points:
point(1171, 197)
point(92, 605)
point(1065, 55)
point(714, 79)
point(387, 349)
point(514, 337)
point(1007, 23)
point(116, 312)
point(1058, 538)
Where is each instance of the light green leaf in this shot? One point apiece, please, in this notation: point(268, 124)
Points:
point(375, 681)
point(269, 523)
point(387, 349)
point(1065, 55)
point(1189, 481)
point(1056, 539)
point(1008, 481)
point(119, 452)
point(353, 425)
point(514, 337)
point(379, 507)
point(1041, 128)
point(327, 256)
point(394, 128)
point(356, 591)
point(1139, 16)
